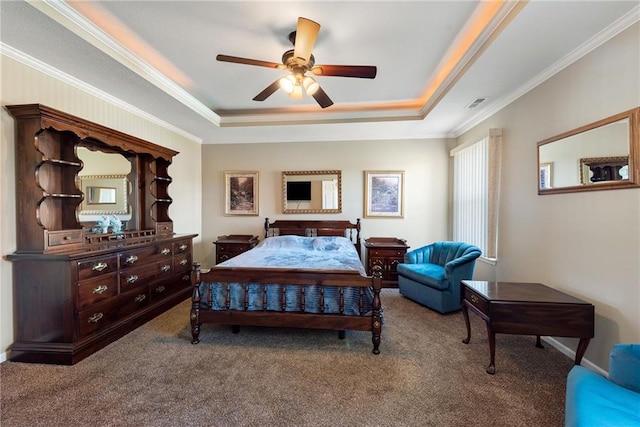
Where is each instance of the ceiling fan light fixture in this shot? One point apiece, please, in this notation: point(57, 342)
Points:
point(288, 83)
point(296, 93)
point(310, 85)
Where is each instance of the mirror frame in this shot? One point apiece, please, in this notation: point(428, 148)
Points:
point(634, 155)
point(118, 182)
point(286, 174)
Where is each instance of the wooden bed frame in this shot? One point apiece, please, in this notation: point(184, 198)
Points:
point(291, 276)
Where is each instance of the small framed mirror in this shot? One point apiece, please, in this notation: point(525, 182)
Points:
point(604, 155)
point(312, 191)
point(104, 194)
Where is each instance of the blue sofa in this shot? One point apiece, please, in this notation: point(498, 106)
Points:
point(431, 275)
point(595, 400)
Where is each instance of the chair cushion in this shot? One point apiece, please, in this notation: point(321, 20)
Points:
point(428, 274)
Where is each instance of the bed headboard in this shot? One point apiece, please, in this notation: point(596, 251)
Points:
point(312, 228)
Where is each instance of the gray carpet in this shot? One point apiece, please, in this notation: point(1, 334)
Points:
point(424, 376)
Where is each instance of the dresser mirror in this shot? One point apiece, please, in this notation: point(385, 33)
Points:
point(604, 155)
point(103, 181)
point(312, 191)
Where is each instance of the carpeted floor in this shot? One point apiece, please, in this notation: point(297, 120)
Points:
point(424, 376)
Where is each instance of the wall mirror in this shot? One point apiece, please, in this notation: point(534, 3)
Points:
point(312, 191)
point(604, 155)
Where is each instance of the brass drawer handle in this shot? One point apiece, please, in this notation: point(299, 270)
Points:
point(160, 289)
point(474, 299)
point(184, 262)
point(96, 318)
point(165, 251)
point(183, 247)
point(131, 259)
point(186, 278)
point(100, 289)
point(165, 268)
point(140, 298)
point(132, 279)
point(100, 266)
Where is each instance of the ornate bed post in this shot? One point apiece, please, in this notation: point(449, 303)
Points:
point(266, 228)
point(376, 319)
point(195, 303)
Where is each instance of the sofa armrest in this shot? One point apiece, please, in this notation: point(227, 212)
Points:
point(624, 366)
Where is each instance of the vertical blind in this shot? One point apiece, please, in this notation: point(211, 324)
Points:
point(470, 195)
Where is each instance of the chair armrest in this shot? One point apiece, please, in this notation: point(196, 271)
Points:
point(472, 255)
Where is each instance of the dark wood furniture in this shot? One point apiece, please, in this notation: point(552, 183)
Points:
point(527, 309)
point(76, 291)
point(289, 276)
point(386, 252)
point(232, 245)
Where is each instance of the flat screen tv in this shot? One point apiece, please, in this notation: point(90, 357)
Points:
point(299, 190)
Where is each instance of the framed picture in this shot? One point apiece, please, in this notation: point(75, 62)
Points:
point(384, 194)
point(546, 169)
point(240, 193)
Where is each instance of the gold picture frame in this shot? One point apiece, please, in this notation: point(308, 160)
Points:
point(241, 193)
point(384, 194)
point(115, 186)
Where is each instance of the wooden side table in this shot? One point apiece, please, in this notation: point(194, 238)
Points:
point(527, 309)
point(387, 252)
point(232, 245)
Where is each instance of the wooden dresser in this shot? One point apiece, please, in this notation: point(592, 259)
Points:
point(386, 252)
point(75, 290)
point(232, 245)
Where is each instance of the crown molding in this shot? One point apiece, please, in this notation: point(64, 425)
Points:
point(626, 21)
point(46, 69)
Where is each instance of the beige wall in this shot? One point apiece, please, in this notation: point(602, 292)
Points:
point(24, 85)
point(425, 163)
point(585, 244)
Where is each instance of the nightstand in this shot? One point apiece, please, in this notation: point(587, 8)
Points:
point(232, 245)
point(387, 252)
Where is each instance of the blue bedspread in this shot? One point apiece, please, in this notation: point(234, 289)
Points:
point(317, 253)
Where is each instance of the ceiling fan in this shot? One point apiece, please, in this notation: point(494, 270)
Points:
point(298, 61)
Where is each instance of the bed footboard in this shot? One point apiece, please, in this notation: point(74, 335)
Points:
point(264, 316)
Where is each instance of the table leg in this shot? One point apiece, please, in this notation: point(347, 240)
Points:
point(539, 342)
point(491, 369)
point(582, 348)
point(465, 314)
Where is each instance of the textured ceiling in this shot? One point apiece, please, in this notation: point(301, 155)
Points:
point(433, 59)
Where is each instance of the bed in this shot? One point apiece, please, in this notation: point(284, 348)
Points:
point(304, 274)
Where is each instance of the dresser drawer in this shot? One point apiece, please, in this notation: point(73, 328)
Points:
point(64, 237)
point(166, 288)
point(97, 317)
point(145, 274)
point(95, 267)
point(138, 257)
point(387, 253)
point(97, 289)
point(182, 263)
point(133, 301)
point(183, 246)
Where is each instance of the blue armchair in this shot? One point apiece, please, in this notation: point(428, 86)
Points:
point(431, 275)
point(595, 400)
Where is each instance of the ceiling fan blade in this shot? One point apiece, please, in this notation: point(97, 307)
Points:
point(247, 61)
point(359, 71)
point(268, 91)
point(306, 35)
point(322, 98)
